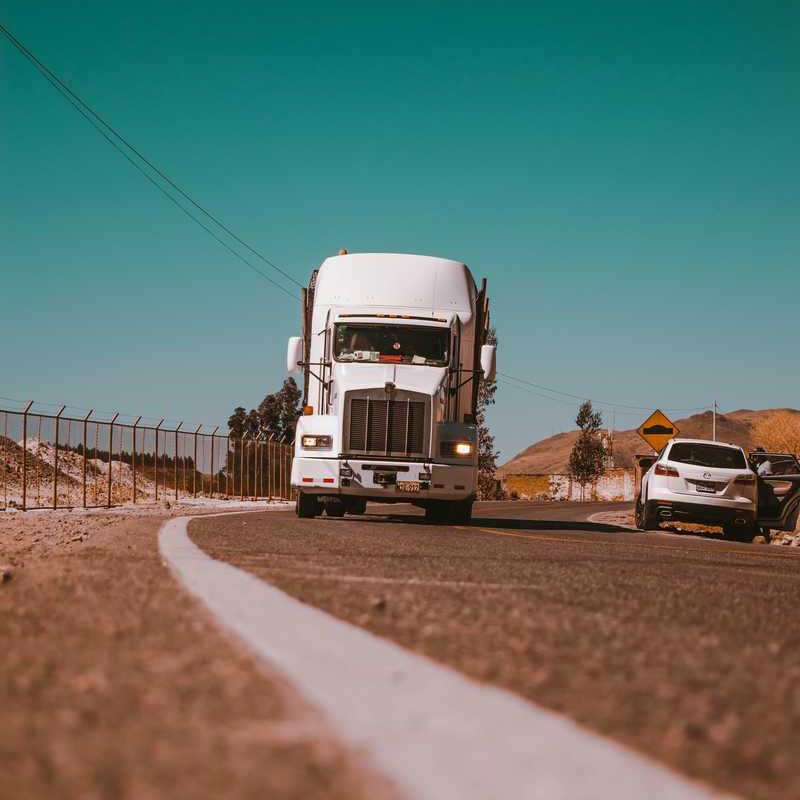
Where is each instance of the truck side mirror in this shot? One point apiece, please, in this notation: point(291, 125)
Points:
point(294, 353)
point(489, 362)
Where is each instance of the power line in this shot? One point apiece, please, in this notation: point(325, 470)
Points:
point(91, 116)
point(104, 128)
point(564, 401)
point(585, 397)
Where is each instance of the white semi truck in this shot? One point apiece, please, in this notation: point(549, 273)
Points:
point(392, 352)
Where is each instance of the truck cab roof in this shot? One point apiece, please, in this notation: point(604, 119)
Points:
point(393, 281)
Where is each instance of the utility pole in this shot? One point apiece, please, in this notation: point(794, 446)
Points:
point(714, 422)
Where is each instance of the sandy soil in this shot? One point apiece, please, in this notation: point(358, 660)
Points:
point(115, 684)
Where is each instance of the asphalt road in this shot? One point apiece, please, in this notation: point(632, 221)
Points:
point(683, 647)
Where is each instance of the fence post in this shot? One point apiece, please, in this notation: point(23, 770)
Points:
point(230, 474)
point(176, 461)
point(55, 459)
point(85, 425)
point(155, 461)
point(133, 457)
point(289, 452)
point(271, 460)
point(288, 459)
point(194, 463)
point(213, 436)
point(241, 468)
point(280, 466)
point(110, 454)
point(25, 456)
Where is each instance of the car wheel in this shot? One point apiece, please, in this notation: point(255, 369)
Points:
point(740, 533)
point(644, 520)
point(306, 505)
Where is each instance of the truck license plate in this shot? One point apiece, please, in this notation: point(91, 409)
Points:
point(408, 486)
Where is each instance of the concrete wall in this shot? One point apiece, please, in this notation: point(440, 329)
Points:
point(615, 484)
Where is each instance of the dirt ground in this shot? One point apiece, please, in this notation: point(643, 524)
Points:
point(115, 684)
point(625, 518)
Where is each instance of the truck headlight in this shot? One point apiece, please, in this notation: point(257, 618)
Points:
point(311, 442)
point(456, 449)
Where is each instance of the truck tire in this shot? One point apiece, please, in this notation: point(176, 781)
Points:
point(307, 505)
point(356, 505)
point(437, 512)
point(335, 508)
point(461, 512)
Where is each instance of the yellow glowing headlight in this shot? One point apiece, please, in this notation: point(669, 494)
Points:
point(463, 449)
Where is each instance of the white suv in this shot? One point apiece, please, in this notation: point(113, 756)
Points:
point(699, 481)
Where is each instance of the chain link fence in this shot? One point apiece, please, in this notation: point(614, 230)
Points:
point(67, 460)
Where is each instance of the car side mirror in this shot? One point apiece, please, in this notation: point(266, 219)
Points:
point(294, 353)
point(489, 362)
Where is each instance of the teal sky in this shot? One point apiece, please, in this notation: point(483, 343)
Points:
point(627, 176)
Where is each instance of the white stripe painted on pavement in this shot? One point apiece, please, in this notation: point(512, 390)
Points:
point(437, 734)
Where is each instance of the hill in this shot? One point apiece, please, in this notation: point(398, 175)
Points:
point(551, 455)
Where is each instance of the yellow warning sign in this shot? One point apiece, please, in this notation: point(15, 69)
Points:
point(657, 430)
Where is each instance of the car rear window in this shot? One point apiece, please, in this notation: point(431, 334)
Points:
point(707, 455)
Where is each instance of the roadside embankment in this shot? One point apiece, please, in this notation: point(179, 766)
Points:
point(115, 683)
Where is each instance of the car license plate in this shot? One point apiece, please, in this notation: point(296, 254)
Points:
point(408, 486)
point(706, 488)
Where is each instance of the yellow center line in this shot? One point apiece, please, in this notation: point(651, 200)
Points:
point(649, 544)
point(531, 536)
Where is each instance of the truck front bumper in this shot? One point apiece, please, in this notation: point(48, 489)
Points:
point(367, 477)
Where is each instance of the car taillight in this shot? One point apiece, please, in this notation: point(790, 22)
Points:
point(670, 472)
point(748, 479)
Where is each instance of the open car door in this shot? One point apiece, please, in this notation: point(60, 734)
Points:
point(780, 515)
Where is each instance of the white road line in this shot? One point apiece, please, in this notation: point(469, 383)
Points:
point(434, 732)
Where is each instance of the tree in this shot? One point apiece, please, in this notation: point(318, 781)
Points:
point(778, 432)
point(588, 453)
point(236, 422)
point(487, 455)
point(278, 412)
point(276, 415)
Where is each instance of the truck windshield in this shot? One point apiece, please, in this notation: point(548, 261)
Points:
point(400, 344)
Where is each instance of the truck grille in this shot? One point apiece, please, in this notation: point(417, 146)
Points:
point(388, 427)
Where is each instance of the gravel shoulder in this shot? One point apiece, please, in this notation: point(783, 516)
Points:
point(624, 518)
point(115, 684)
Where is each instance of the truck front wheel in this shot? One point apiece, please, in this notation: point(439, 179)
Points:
point(437, 512)
point(461, 512)
point(307, 505)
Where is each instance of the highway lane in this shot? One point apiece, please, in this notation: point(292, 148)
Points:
point(683, 647)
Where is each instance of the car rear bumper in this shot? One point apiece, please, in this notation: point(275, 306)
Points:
point(727, 514)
